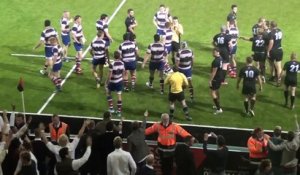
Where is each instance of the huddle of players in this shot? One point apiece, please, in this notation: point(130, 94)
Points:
point(266, 43)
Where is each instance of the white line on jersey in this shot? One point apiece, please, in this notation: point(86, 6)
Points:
point(73, 68)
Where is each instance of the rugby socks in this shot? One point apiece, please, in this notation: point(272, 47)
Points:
point(186, 111)
point(292, 101)
point(191, 89)
point(161, 82)
point(110, 102)
point(57, 82)
point(262, 69)
point(252, 103)
point(286, 97)
point(217, 103)
point(246, 105)
point(151, 80)
point(119, 105)
point(133, 79)
point(230, 68)
point(172, 112)
point(78, 64)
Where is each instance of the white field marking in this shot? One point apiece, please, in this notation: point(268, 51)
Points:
point(73, 68)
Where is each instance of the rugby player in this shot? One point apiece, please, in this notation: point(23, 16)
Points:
point(216, 79)
point(130, 22)
point(157, 54)
point(102, 24)
point(65, 34)
point(128, 51)
point(47, 33)
point(231, 17)
point(290, 70)
point(160, 18)
point(274, 51)
point(259, 25)
point(57, 63)
point(114, 82)
point(79, 40)
point(184, 63)
point(249, 74)
point(167, 38)
point(234, 33)
point(99, 52)
point(177, 32)
point(224, 43)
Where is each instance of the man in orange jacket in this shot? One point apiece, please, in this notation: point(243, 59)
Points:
point(166, 141)
point(57, 128)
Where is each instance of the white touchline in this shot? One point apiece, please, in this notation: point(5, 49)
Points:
point(84, 53)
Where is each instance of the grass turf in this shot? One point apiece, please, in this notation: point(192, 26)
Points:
point(201, 19)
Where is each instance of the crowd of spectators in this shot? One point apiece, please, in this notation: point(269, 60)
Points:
point(98, 149)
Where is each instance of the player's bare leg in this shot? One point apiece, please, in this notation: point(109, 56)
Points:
point(95, 74)
point(278, 71)
point(216, 100)
point(293, 93)
point(224, 68)
point(151, 78)
point(246, 104)
point(78, 62)
point(232, 67)
point(272, 70)
point(109, 101)
point(133, 79)
point(125, 79)
point(185, 110)
point(191, 89)
point(286, 95)
point(262, 68)
point(172, 109)
point(65, 53)
point(252, 103)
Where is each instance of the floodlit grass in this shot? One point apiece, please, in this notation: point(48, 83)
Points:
point(22, 24)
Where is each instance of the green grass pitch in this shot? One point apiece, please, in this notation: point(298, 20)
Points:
point(22, 23)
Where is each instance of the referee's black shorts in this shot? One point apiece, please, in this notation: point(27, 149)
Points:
point(176, 96)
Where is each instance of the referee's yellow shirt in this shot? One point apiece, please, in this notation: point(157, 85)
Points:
point(176, 80)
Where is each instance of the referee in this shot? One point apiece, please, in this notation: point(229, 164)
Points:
point(177, 82)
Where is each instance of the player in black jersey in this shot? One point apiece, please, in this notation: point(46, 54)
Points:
point(224, 43)
point(259, 25)
point(259, 51)
point(131, 23)
point(231, 17)
point(290, 69)
point(216, 77)
point(249, 74)
point(274, 51)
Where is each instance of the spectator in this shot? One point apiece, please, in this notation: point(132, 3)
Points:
point(148, 169)
point(40, 151)
point(217, 158)
point(275, 156)
point(289, 149)
point(265, 168)
point(57, 128)
point(28, 165)
point(184, 157)
point(106, 146)
point(258, 148)
point(63, 141)
point(137, 146)
point(101, 126)
point(166, 141)
point(91, 166)
point(120, 162)
point(4, 139)
point(69, 166)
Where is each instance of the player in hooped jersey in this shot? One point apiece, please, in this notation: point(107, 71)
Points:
point(160, 18)
point(47, 33)
point(114, 82)
point(99, 52)
point(290, 69)
point(224, 43)
point(167, 38)
point(157, 54)
point(215, 80)
point(249, 74)
point(234, 33)
point(102, 24)
point(184, 63)
point(128, 51)
point(79, 40)
point(57, 63)
point(65, 33)
point(274, 51)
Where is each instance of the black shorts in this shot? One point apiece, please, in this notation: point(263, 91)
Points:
point(224, 53)
point(215, 85)
point(249, 90)
point(176, 96)
point(276, 55)
point(259, 56)
point(175, 46)
point(290, 82)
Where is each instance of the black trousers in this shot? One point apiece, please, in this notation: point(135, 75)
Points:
point(166, 162)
